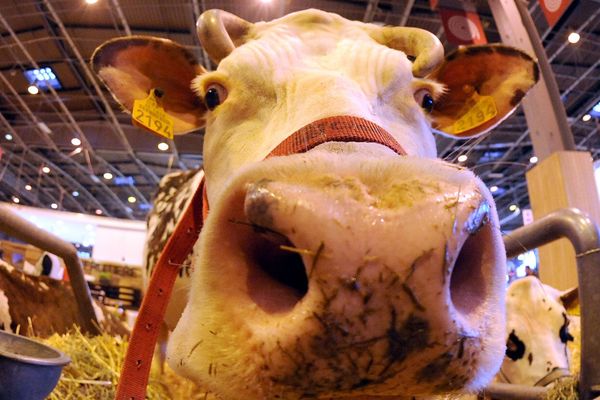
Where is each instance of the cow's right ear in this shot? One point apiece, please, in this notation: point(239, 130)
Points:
point(131, 67)
point(484, 85)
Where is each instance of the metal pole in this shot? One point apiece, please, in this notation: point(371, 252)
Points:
point(24, 230)
point(509, 391)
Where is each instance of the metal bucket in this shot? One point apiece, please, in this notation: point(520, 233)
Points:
point(28, 369)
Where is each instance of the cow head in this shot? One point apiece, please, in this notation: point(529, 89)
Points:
point(360, 266)
point(537, 332)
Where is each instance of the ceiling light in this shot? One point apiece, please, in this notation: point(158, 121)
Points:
point(586, 117)
point(43, 78)
point(8, 136)
point(266, 1)
point(494, 189)
point(16, 200)
point(54, 206)
point(75, 193)
point(98, 211)
point(131, 199)
point(77, 150)
point(462, 158)
point(28, 187)
point(573, 37)
point(32, 89)
point(45, 170)
point(162, 146)
point(533, 159)
point(513, 207)
point(107, 176)
point(75, 141)
point(91, 1)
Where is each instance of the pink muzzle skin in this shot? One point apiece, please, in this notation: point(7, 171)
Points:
point(341, 128)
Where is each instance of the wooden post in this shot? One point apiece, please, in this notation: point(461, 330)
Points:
point(565, 179)
point(545, 114)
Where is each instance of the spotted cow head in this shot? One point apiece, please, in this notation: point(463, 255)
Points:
point(537, 328)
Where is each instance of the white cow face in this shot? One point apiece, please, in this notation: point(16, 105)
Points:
point(352, 268)
point(537, 329)
point(303, 68)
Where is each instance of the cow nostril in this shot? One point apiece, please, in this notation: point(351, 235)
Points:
point(278, 278)
point(468, 283)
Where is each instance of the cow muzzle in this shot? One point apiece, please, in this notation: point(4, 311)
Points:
point(334, 275)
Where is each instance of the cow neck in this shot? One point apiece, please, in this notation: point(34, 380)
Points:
point(138, 360)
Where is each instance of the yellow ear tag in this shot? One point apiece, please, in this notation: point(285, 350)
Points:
point(483, 110)
point(149, 114)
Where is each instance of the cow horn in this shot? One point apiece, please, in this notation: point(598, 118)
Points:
point(219, 31)
point(419, 43)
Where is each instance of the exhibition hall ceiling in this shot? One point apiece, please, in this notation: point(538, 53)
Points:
point(70, 148)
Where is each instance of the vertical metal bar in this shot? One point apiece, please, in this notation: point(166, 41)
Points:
point(406, 12)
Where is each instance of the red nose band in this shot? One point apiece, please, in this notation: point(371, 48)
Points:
point(336, 129)
point(341, 128)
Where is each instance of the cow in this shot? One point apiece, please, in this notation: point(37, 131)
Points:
point(538, 331)
point(352, 263)
point(41, 306)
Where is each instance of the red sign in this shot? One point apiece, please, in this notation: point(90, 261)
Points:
point(462, 27)
point(554, 9)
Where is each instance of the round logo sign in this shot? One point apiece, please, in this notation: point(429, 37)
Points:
point(552, 5)
point(463, 28)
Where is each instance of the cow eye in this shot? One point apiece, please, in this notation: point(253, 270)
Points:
point(424, 98)
point(563, 333)
point(515, 348)
point(215, 94)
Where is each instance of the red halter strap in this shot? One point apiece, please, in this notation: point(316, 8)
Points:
point(138, 360)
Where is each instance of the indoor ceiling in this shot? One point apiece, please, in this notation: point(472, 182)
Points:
point(37, 130)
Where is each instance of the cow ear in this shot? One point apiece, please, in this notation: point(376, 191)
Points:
point(131, 67)
point(484, 86)
point(570, 298)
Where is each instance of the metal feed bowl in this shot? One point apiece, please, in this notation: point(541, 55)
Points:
point(28, 369)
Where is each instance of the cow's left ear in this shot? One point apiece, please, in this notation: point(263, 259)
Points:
point(131, 67)
point(484, 86)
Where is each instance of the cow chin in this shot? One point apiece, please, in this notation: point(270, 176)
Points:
point(322, 275)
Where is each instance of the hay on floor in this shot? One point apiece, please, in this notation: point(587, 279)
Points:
point(95, 367)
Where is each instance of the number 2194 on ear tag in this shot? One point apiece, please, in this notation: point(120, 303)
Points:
point(483, 111)
point(149, 114)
